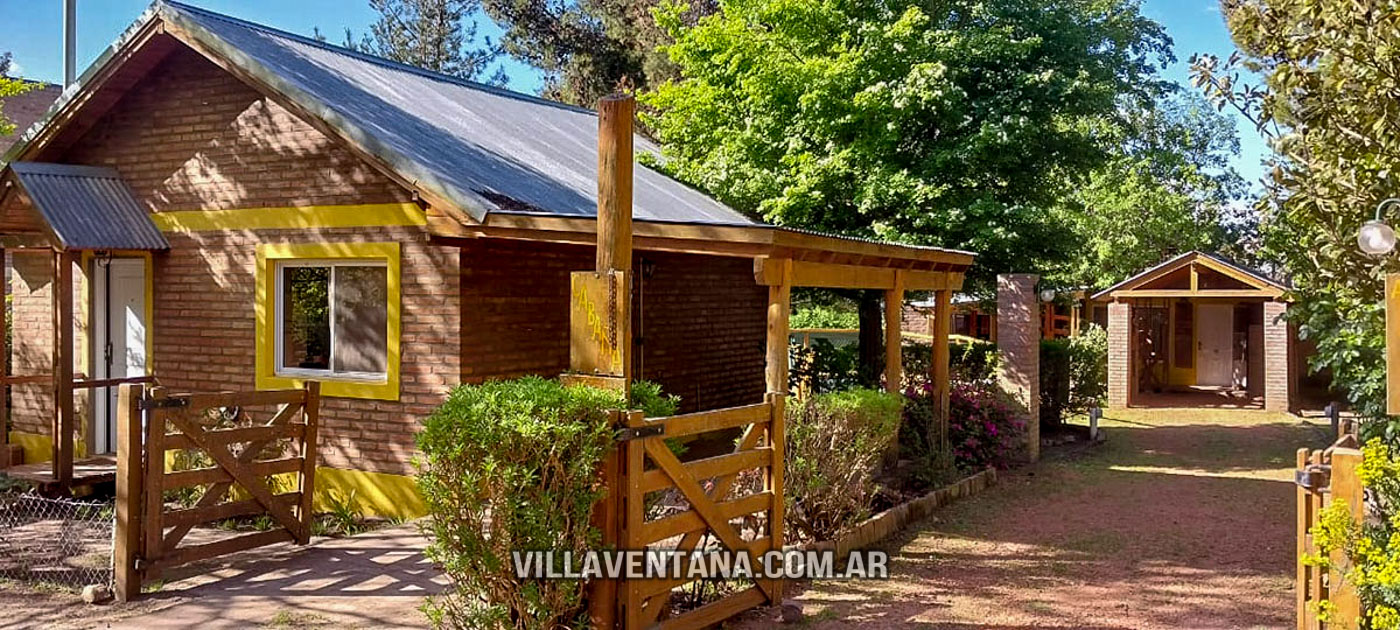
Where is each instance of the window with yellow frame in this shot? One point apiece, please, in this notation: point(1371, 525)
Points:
point(329, 312)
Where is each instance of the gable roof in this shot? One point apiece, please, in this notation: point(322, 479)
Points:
point(486, 161)
point(86, 207)
point(482, 149)
point(1234, 270)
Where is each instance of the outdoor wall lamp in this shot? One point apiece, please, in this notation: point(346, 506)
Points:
point(1048, 295)
point(1376, 237)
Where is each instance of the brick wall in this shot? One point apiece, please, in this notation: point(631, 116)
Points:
point(191, 136)
point(1018, 339)
point(701, 319)
point(31, 288)
point(1278, 378)
point(915, 320)
point(204, 334)
point(1120, 357)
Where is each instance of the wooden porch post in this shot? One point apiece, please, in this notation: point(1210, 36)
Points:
point(940, 363)
point(779, 309)
point(4, 366)
point(894, 334)
point(64, 421)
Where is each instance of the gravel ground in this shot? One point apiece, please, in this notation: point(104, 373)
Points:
point(1183, 519)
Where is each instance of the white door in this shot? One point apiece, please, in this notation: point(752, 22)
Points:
point(1215, 325)
point(119, 330)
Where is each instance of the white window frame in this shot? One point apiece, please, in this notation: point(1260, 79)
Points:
point(279, 319)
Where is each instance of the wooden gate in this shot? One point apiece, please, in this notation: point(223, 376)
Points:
point(647, 465)
point(249, 451)
point(1323, 477)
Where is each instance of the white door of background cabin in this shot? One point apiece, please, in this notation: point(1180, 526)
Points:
point(1215, 325)
point(119, 332)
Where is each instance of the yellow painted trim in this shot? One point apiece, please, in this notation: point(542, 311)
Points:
point(266, 372)
point(374, 494)
point(289, 218)
point(37, 448)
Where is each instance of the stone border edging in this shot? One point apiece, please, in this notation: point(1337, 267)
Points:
point(885, 524)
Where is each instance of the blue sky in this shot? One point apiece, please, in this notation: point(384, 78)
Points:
point(33, 36)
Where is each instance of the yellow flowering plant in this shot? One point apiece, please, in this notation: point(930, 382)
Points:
point(1372, 548)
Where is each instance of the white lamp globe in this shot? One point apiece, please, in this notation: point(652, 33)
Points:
point(1376, 238)
point(1048, 295)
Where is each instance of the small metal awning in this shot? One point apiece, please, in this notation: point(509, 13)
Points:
point(77, 207)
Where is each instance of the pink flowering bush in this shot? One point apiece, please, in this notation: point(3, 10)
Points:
point(986, 427)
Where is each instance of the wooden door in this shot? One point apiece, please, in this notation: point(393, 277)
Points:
point(1214, 356)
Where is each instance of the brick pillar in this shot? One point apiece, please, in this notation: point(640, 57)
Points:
point(1120, 354)
point(1018, 339)
point(1277, 377)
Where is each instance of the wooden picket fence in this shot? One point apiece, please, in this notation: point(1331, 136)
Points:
point(1324, 476)
point(247, 457)
point(644, 464)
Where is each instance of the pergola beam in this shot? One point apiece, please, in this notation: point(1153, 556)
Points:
point(770, 272)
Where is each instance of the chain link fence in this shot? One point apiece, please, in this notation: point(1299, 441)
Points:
point(56, 542)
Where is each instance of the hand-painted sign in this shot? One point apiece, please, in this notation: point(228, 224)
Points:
point(598, 326)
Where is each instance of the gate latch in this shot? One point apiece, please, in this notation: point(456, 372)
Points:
point(637, 433)
point(1313, 477)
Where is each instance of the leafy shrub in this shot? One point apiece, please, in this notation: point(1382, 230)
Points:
point(1073, 374)
point(1088, 369)
point(824, 316)
point(511, 465)
point(986, 426)
point(921, 438)
point(1372, 548)
point(970, 360)
point(648, 398)
point(835, 442)
point(826, 366)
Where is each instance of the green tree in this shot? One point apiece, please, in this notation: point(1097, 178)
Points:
point(958, 123)
point(437, 35)
point(587, 49)
point(1327, 96)
point(1168, 189)
point(9, 86)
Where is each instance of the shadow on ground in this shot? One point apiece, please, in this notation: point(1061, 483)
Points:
point(1182, 520)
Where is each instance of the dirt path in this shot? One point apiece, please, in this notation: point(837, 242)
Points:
point(1184, 519)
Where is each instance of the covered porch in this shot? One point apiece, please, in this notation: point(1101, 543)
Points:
point(1199, 331)
point(59, 224)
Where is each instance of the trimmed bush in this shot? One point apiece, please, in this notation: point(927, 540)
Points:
point(512, 465)
point(835, 443)
point(1073, 374)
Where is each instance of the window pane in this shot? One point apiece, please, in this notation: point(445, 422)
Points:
point(306, 319)
point(361, 319)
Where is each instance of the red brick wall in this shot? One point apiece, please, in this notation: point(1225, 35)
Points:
point(204, 334)
point(191, 136)
point(915, 320)
point(702, 319)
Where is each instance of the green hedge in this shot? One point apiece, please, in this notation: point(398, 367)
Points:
point(513, 465)
point(835, 443)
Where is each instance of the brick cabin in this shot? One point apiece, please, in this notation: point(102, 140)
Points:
point(1200, 330)
point(250, 151)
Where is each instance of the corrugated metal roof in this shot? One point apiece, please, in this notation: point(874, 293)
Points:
point(88, 207)
point(484, 148)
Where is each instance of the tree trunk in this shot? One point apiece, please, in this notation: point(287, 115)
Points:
point(872, 339)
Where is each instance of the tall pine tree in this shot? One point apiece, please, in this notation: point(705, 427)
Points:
point(437, 35)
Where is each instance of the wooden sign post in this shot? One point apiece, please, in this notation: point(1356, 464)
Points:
point(600, 329)
point(600, 314)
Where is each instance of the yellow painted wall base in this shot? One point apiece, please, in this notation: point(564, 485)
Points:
point(374, 494)
point(37, 448)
